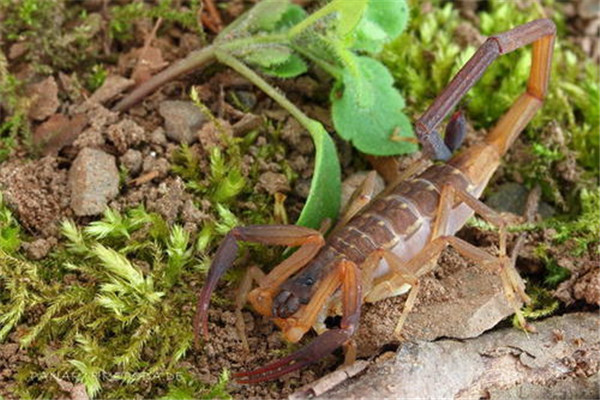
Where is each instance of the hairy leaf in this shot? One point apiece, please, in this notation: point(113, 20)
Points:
point(350, 13)
point(292, 67)
point(325, 189)
point(265, 17)
point(369, 111)
point(266, 56)
point(382, 22)
point(292, 16)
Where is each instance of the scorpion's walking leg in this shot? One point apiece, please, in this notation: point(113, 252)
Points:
point(346, 275)
point(361, 196)
point(253, 274)
point(404, 273)
point(309, 240)
point(510, 277)
point(541, 33)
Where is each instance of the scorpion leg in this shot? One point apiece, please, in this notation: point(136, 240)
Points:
point(361, 196)
point(345, 274)
point(253, 274)
point(426, 259)
point(539, 32)
point(309, 240)
point(508, 272)
point(422, 263)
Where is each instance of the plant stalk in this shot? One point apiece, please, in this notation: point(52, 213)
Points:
point(191, 62)
point(272, 92)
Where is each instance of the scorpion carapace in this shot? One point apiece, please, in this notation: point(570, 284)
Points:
point(380, 249)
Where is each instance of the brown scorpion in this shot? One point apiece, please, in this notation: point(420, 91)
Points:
point(380, 249)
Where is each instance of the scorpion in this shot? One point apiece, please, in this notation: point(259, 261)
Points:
point(382, 246)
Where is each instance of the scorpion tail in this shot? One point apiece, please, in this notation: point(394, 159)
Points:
point(541, 33)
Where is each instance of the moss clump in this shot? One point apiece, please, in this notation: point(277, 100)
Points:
point(117, 300)
point(581, 228)
point(16, 124)
point(10, 230)
point(123, 17)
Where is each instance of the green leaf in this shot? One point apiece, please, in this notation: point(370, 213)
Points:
point(266, 16)
point(292, 16)
point(369, 111)
point(350, 13)
point(381, 23)
point(325, 189)
point(347, 15)
point(266, 56)
point(294, 66)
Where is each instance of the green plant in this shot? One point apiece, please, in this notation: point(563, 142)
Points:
point(130, 273)
point(582, 229)
point(187, 387)
point(10, 230)
point(96, 77)
point(53, 34)
point(121, 22)
point(16, 105)
point(276, 37)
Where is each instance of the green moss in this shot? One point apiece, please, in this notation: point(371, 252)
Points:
point(10, 230)
point(96, 77)
point(126, 294)
point(16, 124)
point(582, 228)
point(122, 19)
point(542, 304)
point(56, 35)
point(187, 387)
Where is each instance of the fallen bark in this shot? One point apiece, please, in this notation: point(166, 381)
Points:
point(561, 361)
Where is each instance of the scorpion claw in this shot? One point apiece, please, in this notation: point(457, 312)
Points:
point(323, 345)
point(223, 260)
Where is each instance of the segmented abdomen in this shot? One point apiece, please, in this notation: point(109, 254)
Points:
point(401, 220)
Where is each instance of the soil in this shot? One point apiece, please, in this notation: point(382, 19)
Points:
point(37, 190)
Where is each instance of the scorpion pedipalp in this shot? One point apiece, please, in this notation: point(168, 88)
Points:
point(314, 351)
point(347, 274)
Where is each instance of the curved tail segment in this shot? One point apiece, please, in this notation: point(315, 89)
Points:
point(541, 33)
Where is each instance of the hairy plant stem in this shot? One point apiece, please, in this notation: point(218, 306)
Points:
point(263, 85)
point(191, 62)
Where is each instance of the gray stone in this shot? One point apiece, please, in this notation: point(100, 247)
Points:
point(512, 197)
point(132, 160)
point(158, 137)
point(44, 97)
point(93, 180)
point(182, 120)
point(113, 86)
